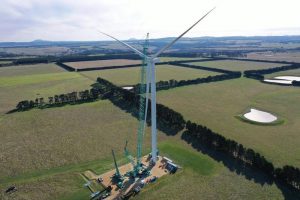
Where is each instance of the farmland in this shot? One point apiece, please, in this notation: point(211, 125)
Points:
point(102, 63)
point(36, 51)
point(4, 62)
point(167, 59)
point(43, 151)
point(295, 72)
point(234, 65)
point(43, 139)
point(130, 76)
point(29, 70)
point(16, 88)
point(286, 56)
point(210, 105)
point(210, 179)
point(200, 173)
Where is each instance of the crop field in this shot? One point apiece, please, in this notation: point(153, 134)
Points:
point(20, 70)
point(35, 79)
point(167, 59)
point(102, 63)
point(44, 151)
point(295, 72)
point(28, 87)
point(5, 62)
point(131, 76)
point(217, 104)
point(235, 65)
point(280, 56)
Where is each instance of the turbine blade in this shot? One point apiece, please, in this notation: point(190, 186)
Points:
point(125, 44)
point(180, 36)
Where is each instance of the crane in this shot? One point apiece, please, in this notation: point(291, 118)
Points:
point(143, 107)
point(117, 176)
point(151, 60)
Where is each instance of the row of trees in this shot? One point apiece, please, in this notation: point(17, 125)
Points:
point(207, 53)
point(212, 69)
point(264, 61)
point(73, 58)
point(61, 99)
point(259, 74)
point(174, 121)
point(204, 136)
point(162, 85)
point(210, 139)
point(165, 85)
point(166, 117)
point(296, 83)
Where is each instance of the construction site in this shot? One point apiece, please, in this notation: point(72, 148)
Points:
point(129, 179)
point(122, 183)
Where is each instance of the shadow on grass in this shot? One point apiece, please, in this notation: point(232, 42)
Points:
point(241, 168)
point(232, 164)
point(161, 125)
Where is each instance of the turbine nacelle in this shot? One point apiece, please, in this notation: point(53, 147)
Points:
point(152, 59)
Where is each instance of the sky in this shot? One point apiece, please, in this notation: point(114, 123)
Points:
point(79, 20)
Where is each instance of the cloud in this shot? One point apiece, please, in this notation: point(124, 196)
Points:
point(25, 20)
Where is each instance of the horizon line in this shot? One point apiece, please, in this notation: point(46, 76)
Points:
point(136, 39)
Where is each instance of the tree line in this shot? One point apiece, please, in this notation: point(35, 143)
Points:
point(212, 69)
point(288, 174)
point(166, 117)
point(259, 74)
point(104, 89)
point(264, 61)
point(72, 58)
point(204, 136)
point(59, 100)
point(165, 85)
point(296, 83)
point(207, 53)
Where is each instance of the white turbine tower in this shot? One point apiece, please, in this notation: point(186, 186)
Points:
point(151, 60)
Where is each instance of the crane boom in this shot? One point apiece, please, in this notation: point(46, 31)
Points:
point(142, 105)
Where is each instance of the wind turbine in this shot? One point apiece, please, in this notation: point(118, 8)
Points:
point(151, 60)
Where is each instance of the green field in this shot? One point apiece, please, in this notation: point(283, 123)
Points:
point(131, 76)
point(5, 61)
point(42, 139)
point(204, 178)
point(216, 106)
point(235, 65)
point(21, 70)
point(277, 56)
point(295, 72)
point(167, 59)
point(200, 176)
point(36, 79)
point(16, 88)
point(43, 151)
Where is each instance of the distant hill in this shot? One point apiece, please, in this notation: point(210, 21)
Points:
point(277, 39)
